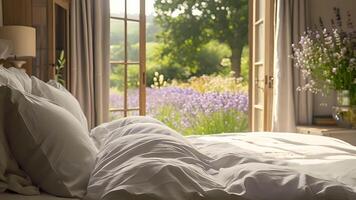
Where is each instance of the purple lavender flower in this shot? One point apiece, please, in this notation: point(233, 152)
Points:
point(179, 107)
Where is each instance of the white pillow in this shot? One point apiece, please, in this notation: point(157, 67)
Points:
point(11, 176)
point(22, 77)
point(61, 98)
point(49, 144)
point(8, 79)
point(57, 85)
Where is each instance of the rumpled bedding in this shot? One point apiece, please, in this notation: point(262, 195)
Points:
point(151, 161)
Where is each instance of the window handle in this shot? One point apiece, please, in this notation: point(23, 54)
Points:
point(143, 78)
point(270, 81)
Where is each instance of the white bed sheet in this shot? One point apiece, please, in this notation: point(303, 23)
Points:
point(12, 196)
point(143, 161)
point(322, 157)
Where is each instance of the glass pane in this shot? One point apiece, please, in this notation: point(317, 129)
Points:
point(117, 8)
point(133, 39)
point(260, 84)
point(133, 9)
point(150, 10)
point(133, 113)
point(116, 115)
point(260, 8)
point(133, 92)
point(117, 40)
point(259, 46)
point(258, 123)
point(117, 86)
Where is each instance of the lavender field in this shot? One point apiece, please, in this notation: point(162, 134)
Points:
point(192, 112)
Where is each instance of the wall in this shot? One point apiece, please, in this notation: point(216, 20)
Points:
point(324, 9)
point(39, 21)
point(1, 13)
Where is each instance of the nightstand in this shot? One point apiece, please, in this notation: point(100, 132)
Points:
point(347, 135)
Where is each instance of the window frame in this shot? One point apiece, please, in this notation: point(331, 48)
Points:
point(126, 62)
point(267, 19)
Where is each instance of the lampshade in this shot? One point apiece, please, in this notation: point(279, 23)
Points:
point(23, 39)
point(5, 48)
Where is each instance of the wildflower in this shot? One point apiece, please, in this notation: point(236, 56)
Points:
point(334, 70)
point(161, 78)
point(326, 59)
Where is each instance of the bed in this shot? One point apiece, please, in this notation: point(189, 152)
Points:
point(46, 146)
point(234, 166)
point(332, 162)
point(12, 196)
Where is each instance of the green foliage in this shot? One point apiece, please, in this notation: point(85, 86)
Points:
point(152, 29)
point(117, 38)
point(217, 122)
point(187, 25)
point(163, 65)
point(117, 77)
point(209, 62)
point(245, 66)
point(61, 61)
point(210, 57)
point(207, 59)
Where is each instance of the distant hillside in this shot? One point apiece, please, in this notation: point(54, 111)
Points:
point(117, 31)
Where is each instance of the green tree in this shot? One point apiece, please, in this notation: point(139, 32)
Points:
point(189, 24)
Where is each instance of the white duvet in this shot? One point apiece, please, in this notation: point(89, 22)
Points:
point(151, 161)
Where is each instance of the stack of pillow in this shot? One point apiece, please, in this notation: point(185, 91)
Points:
point(44, 138)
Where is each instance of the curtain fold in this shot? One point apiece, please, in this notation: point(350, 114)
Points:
point(289, 106)
point(90, 57)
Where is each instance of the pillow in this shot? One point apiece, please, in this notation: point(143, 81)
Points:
point(11, 176)
point(60, 97)
point(57, 85)
point(22, 77)
point(49, 144)
point(99, 133)
point(8, 79)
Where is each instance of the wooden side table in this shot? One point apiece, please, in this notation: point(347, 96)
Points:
point(347, 135)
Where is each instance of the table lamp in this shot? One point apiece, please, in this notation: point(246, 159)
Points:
point(23, 40)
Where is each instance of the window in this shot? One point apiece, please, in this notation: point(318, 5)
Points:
point(261, 69)
point(127, 57)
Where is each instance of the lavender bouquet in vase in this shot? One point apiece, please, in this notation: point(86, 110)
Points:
point(327, 61)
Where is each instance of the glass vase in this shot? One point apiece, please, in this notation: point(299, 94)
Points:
point(345, 116)
point(343, 97)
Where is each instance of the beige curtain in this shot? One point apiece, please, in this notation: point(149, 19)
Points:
point(90, 51)
point(289, 106)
